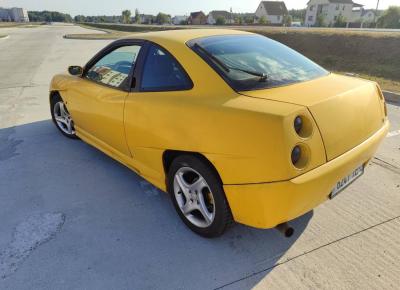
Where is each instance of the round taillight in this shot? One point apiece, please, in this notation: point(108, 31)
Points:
point(296, 154)
point(298, 124)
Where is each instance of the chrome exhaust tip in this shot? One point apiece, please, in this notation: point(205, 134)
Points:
point(285, 230)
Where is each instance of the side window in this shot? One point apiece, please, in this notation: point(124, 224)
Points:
point(114, 68)
point(162, 72)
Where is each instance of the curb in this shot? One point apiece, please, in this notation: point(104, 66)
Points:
point(391, 97)
point(67, 36)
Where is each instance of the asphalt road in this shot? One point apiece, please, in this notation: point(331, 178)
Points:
point(72, 218)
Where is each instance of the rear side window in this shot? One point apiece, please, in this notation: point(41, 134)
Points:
point(161, 72)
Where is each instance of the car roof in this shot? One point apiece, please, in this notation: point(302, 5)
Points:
point(182, 36)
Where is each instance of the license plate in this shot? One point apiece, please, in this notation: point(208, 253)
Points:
point(346, 181)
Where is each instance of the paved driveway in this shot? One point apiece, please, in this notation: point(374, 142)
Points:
point(72, 218)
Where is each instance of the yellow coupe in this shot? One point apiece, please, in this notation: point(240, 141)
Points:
point(235, 126)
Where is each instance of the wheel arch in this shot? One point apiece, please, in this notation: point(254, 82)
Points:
point(54, 93)
point(169, 156)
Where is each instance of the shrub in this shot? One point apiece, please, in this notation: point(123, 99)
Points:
point(220, 20)
point(390, 18)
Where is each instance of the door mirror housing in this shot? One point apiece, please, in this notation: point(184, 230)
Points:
point(75, 70)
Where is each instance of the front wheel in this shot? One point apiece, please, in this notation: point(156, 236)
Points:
point(198, 196)
point(61, 117)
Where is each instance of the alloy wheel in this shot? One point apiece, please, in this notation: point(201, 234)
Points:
point(194, 197)
point(63, 118)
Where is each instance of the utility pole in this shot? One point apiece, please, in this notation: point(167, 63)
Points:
point(376, 14)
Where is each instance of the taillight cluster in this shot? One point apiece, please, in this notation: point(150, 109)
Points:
point(300, 154)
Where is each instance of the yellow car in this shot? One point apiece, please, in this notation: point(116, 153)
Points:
point(235, 126)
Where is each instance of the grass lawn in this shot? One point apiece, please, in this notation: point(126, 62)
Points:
point(386, 84)
point(19, 24)
point(8, 24)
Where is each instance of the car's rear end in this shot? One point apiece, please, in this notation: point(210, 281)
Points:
point(331, 129)
point(349, 115)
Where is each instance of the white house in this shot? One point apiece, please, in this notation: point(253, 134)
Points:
point(273, 11)
point(329, 10)
point(214, 15)
point(179, 19)
point(146, 19)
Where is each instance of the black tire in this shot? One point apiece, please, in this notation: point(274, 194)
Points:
point(53, 101)
point(222, 213)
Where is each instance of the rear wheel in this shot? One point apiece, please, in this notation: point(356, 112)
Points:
point(61, 117)
point(198, 196)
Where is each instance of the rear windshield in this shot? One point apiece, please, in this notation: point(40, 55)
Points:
point(250, 62)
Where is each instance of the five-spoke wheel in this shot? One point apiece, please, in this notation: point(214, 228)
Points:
point(61, 117)
point(194, 197)
point(198, 196)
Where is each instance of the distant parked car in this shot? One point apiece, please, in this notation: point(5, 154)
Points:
point(296, 24)
point(232, 124)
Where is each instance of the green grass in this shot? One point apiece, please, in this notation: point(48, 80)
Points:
point(20, 25)
point(9, 24)
point(108, 34)
point(386, 84)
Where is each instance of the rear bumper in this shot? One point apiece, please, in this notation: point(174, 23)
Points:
point(266, 205)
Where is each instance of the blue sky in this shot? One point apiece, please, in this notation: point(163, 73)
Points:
point(174, 7)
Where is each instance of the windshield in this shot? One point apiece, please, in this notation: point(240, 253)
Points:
point(249, 62)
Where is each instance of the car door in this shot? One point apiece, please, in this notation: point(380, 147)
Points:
point(150, 117)
point(96, 100)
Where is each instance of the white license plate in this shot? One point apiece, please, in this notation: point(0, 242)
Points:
point(346, 181)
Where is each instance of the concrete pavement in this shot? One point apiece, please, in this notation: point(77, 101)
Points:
point(72, 218)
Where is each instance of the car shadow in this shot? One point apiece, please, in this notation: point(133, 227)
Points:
point(120, 231)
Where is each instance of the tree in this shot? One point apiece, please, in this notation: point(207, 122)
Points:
point(238, 20)
point(137, 16)
point(126, 16)
point(320, 22)
point(340, 21)
point(390, 18)
point(298, 14)
point(162, 18)
point(49, 16)
point(220, 20)
point(249, 20)
point(263, 20)
point(287, 20)
point(79, 18)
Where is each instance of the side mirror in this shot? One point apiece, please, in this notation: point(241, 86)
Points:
point(75, 70)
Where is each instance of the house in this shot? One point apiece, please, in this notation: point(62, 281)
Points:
point(177, 20)
point(273, 11)
point(214, 15)
point(146, 19)
point(14, 14)
point(197, 18)
point(329, 11)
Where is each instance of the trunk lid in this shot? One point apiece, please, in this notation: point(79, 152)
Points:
point(347, 110)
